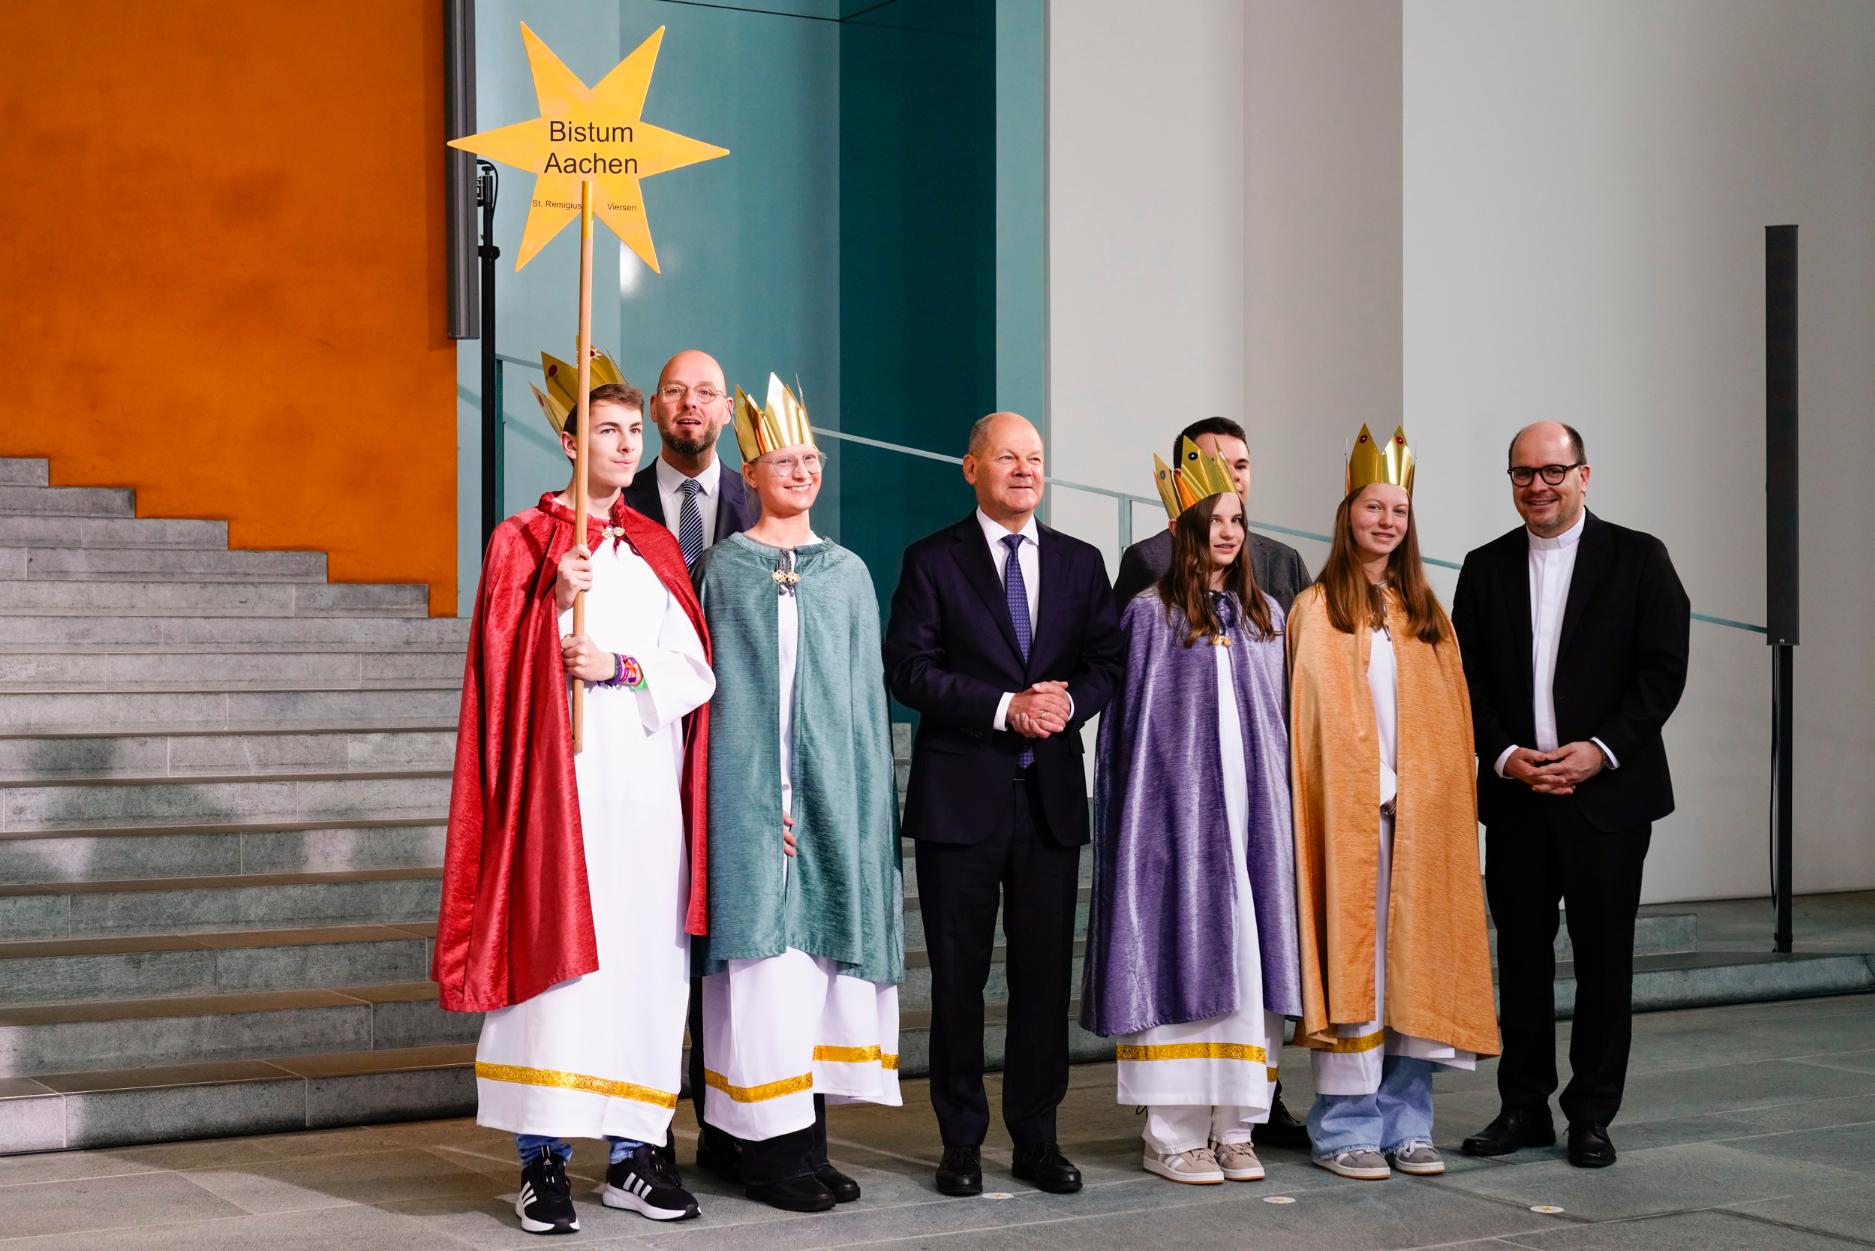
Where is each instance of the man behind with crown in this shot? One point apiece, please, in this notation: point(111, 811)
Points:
point(806, 946)
point(571, 883)
point(1396, 969)
point(1191, 943)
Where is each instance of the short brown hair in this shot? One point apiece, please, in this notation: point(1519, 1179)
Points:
point(623, 394)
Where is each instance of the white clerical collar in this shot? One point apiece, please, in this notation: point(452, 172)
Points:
point(1568, 538)
point(995, 531)
point(671, 478)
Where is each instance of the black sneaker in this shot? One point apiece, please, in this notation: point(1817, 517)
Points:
point(545, 1204)
point(644, 1182)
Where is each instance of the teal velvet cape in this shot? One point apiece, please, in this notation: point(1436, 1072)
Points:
point(843, 896)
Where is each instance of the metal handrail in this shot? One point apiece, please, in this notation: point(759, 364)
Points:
point(1125, 501)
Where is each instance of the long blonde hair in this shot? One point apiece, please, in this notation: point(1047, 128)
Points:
point(1353, 600)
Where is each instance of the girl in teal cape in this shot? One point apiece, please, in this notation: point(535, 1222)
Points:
point(806, 945)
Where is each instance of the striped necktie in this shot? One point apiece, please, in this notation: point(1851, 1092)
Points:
point(690, 522)
point(1016, 596)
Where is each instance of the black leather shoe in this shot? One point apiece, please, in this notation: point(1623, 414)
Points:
point(1513, 1128)
point(797, 1194)
point(721, 1154)
point(960, 1172)
point(843, 1188)
point(1047, 1169)
point(1281, 1130)
point(1589, 1146)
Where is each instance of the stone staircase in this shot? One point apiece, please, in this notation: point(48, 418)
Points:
point(223, 783)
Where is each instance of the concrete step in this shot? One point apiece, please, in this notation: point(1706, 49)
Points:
point(1704, 979)
point(214, 599)
point(24, 471)
point(114, 1107)
point(166, 965)
point(26, 713)
point(142, 852)
point(275, 749)
point(50, 501)
point(159, 564)
point(95, 669)
point(33, 530)
point(196, 904)
point(264, 634)
point(190, 800)
point(187, 1029)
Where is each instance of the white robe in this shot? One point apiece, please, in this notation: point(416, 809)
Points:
point(1356, 1071)
point(603, 1054)
point(1211, 1080)
point(781, 1029)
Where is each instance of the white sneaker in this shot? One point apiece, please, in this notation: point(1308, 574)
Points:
point(1360, 1164)
point(1238, 1161)
point(1418, 1157)
point(1197, 1167)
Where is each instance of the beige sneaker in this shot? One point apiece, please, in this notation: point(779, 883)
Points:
point(1358, 1163)
point(1197, 1167)
point(1419, 1158)
point(1238, 1161)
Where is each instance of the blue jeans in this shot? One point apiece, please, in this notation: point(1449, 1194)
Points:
point(529, 1145)
point(1398, 1113)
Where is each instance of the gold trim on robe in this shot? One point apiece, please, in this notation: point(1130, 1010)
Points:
point(562, 1080)
point(1191, 1051)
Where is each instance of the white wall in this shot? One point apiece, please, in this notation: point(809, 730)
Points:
point(1145, 252)
point(1478, 214)
point(1586, 186)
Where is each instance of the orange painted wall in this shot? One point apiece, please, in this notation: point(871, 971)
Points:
point(222, 269)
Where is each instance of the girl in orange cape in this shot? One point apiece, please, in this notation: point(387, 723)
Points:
point(1396, 970)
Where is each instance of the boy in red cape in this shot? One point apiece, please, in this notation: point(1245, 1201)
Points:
point(571, 883)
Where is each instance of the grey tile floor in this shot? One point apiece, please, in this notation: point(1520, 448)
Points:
point(1744, 1127)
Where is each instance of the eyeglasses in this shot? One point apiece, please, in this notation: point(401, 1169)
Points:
point(1524, 475)
point(786, 465)
point(676, 391)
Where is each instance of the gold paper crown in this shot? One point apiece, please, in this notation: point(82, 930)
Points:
point(1198, 476)
point(1372, 462)
point(562, 394)
point(783, 423)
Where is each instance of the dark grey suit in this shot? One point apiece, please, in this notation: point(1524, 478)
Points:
point(1279, 570)
point(736, 506)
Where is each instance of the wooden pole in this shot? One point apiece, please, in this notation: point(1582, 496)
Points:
point(581, 502)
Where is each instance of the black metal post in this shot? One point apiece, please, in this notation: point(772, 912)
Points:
point(1781, 546)
point(487, 184)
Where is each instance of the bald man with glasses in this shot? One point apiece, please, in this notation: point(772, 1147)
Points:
point(685, 487)
point(1574, 633)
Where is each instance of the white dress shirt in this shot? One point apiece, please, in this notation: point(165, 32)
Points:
point(1030, 554)
point(670, 493)
point(1552, 565)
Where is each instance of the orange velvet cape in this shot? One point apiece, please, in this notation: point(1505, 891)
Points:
point(1438, 956)
point(516, 913)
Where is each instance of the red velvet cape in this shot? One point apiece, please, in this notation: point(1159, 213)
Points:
point(516, 914)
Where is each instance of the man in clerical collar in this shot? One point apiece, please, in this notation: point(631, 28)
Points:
point(685, 487)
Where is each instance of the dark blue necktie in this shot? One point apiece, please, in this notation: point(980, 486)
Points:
point(1016, 597)
point(690, 522)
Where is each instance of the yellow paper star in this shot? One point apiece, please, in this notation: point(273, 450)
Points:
point(594, 133)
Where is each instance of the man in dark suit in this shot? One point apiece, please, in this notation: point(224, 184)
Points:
point(1004, 636)
point(1575, 634)
point(1278, 567)
point(687, 490)
point(685, 487)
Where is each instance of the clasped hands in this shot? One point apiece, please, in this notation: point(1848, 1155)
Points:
point(1556, 772)
point(1040, 711)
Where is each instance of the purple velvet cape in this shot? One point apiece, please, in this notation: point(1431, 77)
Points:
point(1162, 925)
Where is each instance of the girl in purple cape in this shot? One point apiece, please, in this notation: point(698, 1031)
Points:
point(1191, 961)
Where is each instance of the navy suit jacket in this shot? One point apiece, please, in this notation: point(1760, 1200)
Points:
point(951, 653)
point(736, 508)
point(1621, 661)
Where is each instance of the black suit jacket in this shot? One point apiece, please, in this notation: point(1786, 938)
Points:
point(1620, 668)
point(950, 653)
point(736, 508)
point(1278, 567)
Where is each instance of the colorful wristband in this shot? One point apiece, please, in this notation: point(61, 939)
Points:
point(627, 673)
